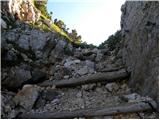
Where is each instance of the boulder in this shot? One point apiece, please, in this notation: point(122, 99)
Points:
point(58, 52)
point(26, 97)
point(16, 77)
point(37, 77)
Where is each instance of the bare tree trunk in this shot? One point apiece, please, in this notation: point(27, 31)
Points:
point(121, 109)
point(97, 77)
point(111, 69)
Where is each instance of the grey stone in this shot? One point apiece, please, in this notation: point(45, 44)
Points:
point(83, 70)
point(79, 94)
point(90, 64)
point(23, 42)
point(50, 94)
point(58, 51)
point(99, 56)
point(38, 40)
point(11, 56)
point(39, 103)
point(11, 36)
point(95, 50)
point(131, 97)
point(89, 86)
point(66, 77)
point(111, 86)
point(77, 61)
point(37, 77)
point(3, 24)
point(16, 76)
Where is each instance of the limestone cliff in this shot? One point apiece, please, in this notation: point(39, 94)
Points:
point(140, 26)
point(23, 9)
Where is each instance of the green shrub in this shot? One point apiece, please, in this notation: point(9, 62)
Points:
point(41, 5)
point(112, 42)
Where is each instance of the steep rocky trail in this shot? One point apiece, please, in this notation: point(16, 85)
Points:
point(46, 76)
point(97, 100)
point(52, 78)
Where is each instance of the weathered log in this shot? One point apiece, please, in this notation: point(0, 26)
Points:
point(121, 109)
point(97, 77)
point(111, 69)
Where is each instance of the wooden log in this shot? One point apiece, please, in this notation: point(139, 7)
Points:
point(111, 69)
point(97, 77)
point(121, 109)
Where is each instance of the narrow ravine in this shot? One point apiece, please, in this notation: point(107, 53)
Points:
point(46, 76)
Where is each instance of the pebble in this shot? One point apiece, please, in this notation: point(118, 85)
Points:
point(79, 94)
point(111, 86)
point(53, 87)
point(89, 86)
point(98, 89)
point(7, 108)
point(66, 77)
point(77, 61)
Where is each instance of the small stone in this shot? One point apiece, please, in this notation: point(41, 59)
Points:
point(39, 103)
point(84, 87)
point(66, 77)
point(99, 84)
point(83, 71)
point(79, 94)
point(98, 89)
point(124, 86)
point(82, 106)
point(111, 86)
point(55, 101)
point(90, 64)
point(77, 61)
point(7, 108)
point(47, 88)
point(50, 94)
point(53, 87)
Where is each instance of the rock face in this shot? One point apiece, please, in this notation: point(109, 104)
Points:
point(140, 26)
point(24, 9)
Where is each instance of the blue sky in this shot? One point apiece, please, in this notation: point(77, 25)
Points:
point(94, 20)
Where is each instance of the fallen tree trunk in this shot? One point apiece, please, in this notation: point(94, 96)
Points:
point(111, 69)
point(121, 109)
point(97, 77)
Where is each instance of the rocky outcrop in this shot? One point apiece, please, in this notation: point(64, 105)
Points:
point(140, 26)
point(24, 9)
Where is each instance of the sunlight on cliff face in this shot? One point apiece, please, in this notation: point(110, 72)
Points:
point(94, 20)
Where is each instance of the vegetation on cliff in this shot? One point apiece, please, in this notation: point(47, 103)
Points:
point(112, 42)
point(45, 23)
